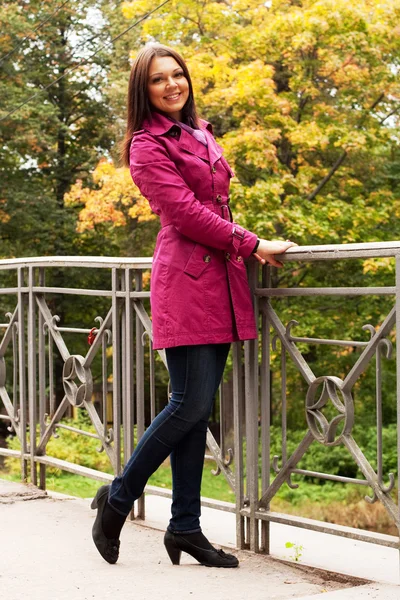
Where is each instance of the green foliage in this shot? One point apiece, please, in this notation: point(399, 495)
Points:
point(69, 446)
point(337, 460)
point(297, 550)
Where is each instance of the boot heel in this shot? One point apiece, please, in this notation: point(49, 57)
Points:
point(174, 553)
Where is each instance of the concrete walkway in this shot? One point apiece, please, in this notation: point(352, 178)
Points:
point(48, 554)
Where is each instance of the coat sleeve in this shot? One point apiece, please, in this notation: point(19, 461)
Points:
point(159, 180)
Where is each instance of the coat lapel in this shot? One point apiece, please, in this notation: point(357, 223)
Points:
point(190, 144)
point(214, 150)
point(160, 125)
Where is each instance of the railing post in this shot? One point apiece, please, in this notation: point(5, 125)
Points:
point(42, 381)
point(32, 373)
point(251, 408)
point(116, 338)
point(22, 373)
point(398, 383)
point(140, 416)
point(265, 409)
point(238, 432)
point(128, 370)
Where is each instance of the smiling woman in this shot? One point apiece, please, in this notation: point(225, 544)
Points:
point(200, 298)
point(168, 87)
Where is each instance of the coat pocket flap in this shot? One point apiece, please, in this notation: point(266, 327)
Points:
point(198, 261)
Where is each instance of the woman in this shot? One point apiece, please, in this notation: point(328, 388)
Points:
point(200, 298)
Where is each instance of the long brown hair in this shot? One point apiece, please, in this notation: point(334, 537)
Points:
point(139, 107)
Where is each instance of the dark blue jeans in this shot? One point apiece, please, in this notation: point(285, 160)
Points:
point(180, 431)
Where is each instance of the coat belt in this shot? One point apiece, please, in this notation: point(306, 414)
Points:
point(222, 210)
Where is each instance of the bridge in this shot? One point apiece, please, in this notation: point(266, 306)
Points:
point(48, 372)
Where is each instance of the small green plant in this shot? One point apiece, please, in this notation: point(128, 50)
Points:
point(297, 549)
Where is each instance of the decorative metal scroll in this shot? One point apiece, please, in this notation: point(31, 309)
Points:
point(331, 390)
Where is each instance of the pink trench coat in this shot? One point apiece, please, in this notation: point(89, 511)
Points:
point(199, 289)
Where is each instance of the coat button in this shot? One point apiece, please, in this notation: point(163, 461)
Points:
point(214, 170)
point(228, 256)
point(219, 198)
point(239, 258)
point(206, 258)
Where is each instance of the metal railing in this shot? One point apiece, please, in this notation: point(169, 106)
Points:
point(34, 339)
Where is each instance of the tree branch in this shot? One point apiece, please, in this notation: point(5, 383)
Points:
point(344, 154)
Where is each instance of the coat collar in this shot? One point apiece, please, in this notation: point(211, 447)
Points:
point(161, 125)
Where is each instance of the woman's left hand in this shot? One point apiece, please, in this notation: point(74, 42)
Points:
point(267, 249)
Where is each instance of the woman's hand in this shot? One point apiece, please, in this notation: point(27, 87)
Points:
point(267, 249)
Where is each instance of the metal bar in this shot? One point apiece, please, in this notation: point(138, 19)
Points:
point(76, 430)
point(369, 351)
point(286, 469)
point(251, 407)
point(52, 395)
point(317, 291)
point(7, 337)
point(15, 400)
point(398, 384)
point(293, 352)
point(350, 343)
point(303, 253)
point(72, 291)
point(372, 478)
point(265, 409)
point(10, 411)
point(238, 434)
point(380, 539)
point(83, 262)
point(123, 364)
point(339, 478)
point(47, 433)
point(104, 379)
point(378, 383)
point(49, 321)
point(140, 414)
point(146, 322)
point(8, 291)
point(113, 455)
point(219, 459)
point(42, 383)
point(106, 324)
point(22, 374)
point(32, 375)
point(152, 382)
point(116, 341)
point(284, 409)
point(74, 330)
point(222, 420)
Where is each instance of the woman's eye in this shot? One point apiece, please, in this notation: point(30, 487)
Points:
point(156, 80)
point(180, 74)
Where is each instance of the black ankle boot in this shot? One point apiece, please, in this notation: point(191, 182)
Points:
point(108, 547)
point(197, 545)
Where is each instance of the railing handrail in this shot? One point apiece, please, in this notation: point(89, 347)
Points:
point(303, 253)
point(340, 251)
point(102, 262)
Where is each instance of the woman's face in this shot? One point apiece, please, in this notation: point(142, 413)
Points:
point(168, 88)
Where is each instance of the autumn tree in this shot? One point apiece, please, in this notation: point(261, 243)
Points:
point(304, 97)
point(60, 134)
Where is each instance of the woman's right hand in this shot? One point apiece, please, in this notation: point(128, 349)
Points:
point(267, 249)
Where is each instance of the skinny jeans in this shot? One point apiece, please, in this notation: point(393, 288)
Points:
point(178, 431)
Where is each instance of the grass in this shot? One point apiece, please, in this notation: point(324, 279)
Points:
point(83, 487)
point(340, 504)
